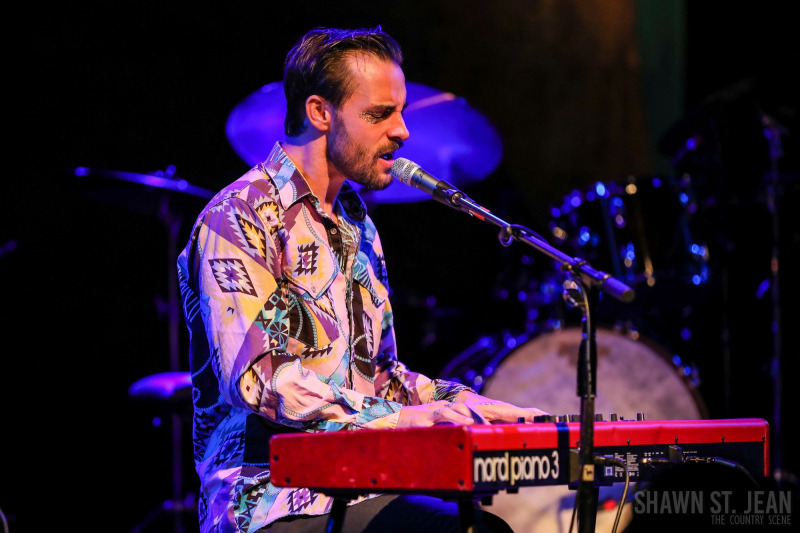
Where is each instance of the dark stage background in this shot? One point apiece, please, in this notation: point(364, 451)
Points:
point(578, 91)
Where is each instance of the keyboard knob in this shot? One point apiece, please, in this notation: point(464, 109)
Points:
point(640, 417)
point(574, 418)
point(598, 417)
point(613, 417)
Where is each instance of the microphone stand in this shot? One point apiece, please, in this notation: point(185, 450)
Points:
point(591, 282)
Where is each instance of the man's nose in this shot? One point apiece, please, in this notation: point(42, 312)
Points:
point(399, 131)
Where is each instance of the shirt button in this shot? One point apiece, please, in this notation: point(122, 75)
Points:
point(333, 231)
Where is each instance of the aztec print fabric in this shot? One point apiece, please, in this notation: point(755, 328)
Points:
point(290, 330)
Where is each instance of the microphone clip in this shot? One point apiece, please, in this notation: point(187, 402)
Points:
point(506, 236)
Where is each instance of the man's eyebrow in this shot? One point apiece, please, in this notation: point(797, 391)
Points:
point(388, 107)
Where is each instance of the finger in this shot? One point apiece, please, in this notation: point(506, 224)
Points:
point(501, 412)
point(478, 416)
point(532, 412)
point(472, 410)
point(460, 408)
point(450, 415)
point(511, 413)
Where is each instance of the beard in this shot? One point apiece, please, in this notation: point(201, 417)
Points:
point(354, 161)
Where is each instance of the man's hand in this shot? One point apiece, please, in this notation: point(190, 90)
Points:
point(429, 414)
point(495, 411)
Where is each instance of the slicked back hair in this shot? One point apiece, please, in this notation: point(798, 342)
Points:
point(317, 65)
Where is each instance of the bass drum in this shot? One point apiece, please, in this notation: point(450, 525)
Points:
point(633, 376)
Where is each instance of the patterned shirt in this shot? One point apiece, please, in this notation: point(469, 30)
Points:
point(290, 330)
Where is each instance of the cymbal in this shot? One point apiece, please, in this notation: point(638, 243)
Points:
point(449, 139)
point(159, 182)
point(143, 193)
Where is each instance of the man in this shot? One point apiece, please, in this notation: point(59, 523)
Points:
point(285, 295)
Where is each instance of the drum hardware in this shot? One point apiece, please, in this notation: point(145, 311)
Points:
point(639, 229)
point(773, 131)
point(572, 294)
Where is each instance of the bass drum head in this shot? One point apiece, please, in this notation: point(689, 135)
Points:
point(633, 376)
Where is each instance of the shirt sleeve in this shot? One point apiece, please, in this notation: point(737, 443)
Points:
point(237, 268)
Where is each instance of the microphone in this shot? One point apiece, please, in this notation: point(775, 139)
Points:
point(410, 173)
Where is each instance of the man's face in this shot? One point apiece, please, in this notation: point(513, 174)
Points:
point(368, 127)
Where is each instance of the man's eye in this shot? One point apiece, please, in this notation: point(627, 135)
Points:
point(373, 117)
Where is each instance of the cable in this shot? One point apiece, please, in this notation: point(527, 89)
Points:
point(723, 462)
point(653, 461)
point(613, 461)
point(622, 500)
point(574, 512)
point(607, 461)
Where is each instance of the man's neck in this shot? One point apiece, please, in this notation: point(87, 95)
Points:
point(311, 160)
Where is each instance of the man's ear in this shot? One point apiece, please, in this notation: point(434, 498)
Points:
point(319, 113)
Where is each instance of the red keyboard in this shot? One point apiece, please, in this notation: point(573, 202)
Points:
point(459, 460)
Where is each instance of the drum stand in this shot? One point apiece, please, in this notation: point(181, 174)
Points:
point(772, 132)
point(591, 282)
point(174, 387)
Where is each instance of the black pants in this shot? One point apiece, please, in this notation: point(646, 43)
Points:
point(394, 514)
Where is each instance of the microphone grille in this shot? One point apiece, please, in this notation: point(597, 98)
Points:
point(402, 169)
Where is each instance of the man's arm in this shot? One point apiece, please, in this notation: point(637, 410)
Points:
point(236, 269)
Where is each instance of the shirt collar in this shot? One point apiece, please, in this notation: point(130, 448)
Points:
point(292, 186)
point(352, 203)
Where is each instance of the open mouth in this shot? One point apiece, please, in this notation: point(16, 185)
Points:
point(388, 156)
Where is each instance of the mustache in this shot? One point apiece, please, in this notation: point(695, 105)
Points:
point(392, 147)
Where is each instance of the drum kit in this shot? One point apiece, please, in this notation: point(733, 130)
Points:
point(639, 229)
